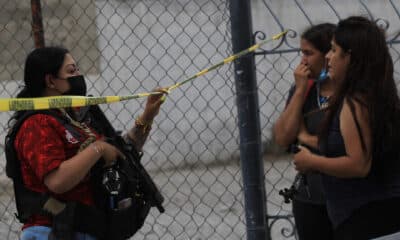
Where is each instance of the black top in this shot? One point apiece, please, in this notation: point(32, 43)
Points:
point(312, 116)
point(345, 195)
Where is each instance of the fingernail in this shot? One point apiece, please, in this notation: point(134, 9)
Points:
point(162, 99)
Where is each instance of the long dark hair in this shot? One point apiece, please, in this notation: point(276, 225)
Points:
point(39, 63)
point(320, 36)
point(369, 81)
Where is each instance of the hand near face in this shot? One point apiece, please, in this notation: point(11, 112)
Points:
point(301, 76)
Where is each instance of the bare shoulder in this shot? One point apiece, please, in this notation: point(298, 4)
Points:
point(355, 108)
point(355, 127)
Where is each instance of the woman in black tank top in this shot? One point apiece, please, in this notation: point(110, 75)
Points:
point(357, 138)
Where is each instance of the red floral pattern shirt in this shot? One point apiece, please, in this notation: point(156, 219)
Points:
point(42, 144)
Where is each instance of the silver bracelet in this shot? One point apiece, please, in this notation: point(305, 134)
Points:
point(96, 149)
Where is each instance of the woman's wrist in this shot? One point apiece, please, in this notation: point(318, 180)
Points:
point(314, 161)
point(143, 120)
point(300, 93)
point(97, 148)
point(142, 124)
point(139, 133)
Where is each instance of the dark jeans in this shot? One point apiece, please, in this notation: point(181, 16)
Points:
point(370, 221)
point(312, 221)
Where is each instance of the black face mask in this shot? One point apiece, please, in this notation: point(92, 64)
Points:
point(77, 86)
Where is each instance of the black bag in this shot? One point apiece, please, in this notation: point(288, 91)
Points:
point(134, 191)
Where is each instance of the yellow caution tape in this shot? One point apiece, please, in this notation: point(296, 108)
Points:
point(18, 104)
point(228, 59)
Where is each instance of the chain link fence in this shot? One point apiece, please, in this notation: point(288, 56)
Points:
point(127, 47)
point(131, 46)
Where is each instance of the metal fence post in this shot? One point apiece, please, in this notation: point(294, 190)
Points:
point(249, 122)
point(37, 24)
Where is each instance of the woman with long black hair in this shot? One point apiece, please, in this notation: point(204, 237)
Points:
point(56, 153)
point(359, 135)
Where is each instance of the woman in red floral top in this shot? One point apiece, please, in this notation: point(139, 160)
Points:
point(52, 159)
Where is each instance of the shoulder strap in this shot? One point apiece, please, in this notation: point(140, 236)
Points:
point(101, 123)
